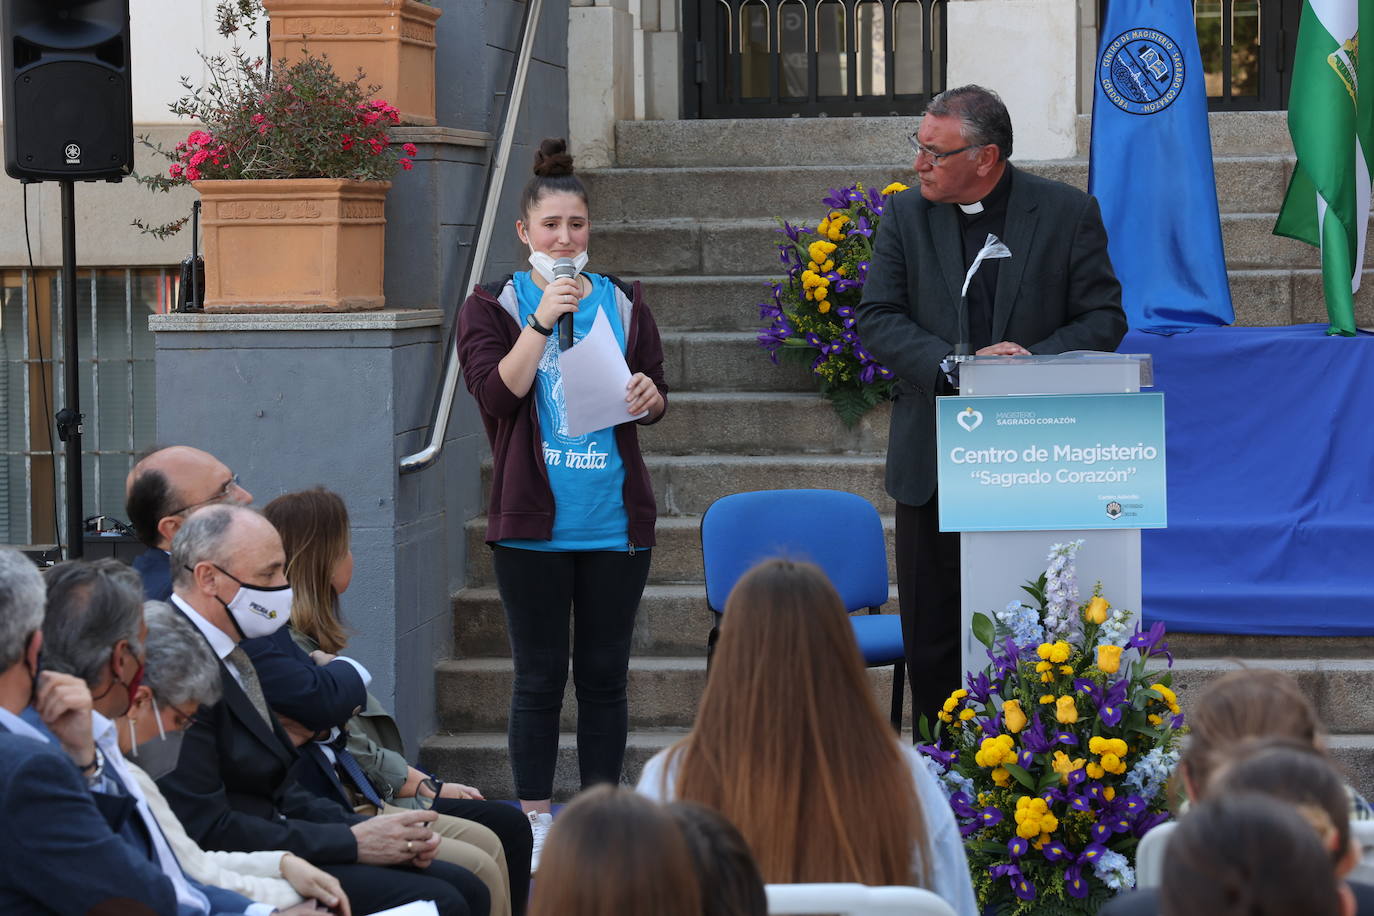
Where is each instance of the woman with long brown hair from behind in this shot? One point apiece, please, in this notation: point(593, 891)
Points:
point(612, 853)
point(790, 746)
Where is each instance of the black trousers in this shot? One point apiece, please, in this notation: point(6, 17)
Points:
point(512, 827)
point(455, 891)
point(928, 594)
point(539, 588)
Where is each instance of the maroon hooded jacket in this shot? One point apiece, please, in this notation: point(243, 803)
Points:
point(522, 504)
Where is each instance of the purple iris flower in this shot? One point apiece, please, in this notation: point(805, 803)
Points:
point(1076, 778)
point(969, 828)
point(850, 337)
point(1084, 685)
point(771, 339)
point(1053, 794)
point(1114, 705)
point(1133, 804)
point(792, 232)
point(837, 199)
point(1008, 870)
point(820, 361)
point(1101, 832)
point(1034, 738)
point(1021, 886)
point(990, 727)
point(854, 194)
point(944, 758)
point(990, 817)
point(1068, 738)
point(1091, 853)
point(1094, 790)
point(1081, 803)
point(862, 355)
point(868, 373)
point(862, 227)
point(861, 271)
point(1018, 847)
point(959, 804)
point(1056, 851)
point(1176, 721)
point(769, 311)
point(1074, 883)
point(875, 200)
point(1147, 822)
point(1151, 642)
point(814, 340)
point(979, 687)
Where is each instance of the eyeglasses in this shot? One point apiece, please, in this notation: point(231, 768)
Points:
point(220, 495)
point(183, 720)
point(934, 157)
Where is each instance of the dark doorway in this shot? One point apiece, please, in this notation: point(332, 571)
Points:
point(795, 58)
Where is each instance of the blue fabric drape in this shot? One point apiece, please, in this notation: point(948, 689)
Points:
point(1271, 484)
point(1151, 168)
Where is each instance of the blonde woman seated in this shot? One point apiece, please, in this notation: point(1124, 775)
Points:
point(180, 676)
point(791, 747)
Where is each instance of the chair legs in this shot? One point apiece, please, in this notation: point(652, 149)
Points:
point(898, 692)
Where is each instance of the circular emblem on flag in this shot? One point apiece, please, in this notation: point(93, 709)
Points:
point(1141, 71)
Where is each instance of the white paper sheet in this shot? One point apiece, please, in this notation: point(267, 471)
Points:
point(418, 908)
point(594, 378)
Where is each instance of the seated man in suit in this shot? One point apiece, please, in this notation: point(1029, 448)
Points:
point(54, 831)
point(231, 787)
point(163, 487)
point(94, 630)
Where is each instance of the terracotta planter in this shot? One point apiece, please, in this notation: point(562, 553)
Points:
point(391, 40)
point(296, 245)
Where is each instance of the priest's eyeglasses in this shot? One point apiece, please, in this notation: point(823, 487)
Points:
point(934, 157)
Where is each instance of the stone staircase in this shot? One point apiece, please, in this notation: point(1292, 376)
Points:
point(689, 209)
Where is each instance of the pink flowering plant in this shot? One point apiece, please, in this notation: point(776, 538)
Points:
point(810, 312)
point(300, 120)
point(1056, 757)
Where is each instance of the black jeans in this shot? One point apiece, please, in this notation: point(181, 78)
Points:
point(512, 828)
point(455, 891)
point(602, 589)
point(928, 595)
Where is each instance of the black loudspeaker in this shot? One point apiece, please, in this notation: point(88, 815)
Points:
point(67, 92)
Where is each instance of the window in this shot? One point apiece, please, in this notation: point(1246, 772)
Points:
point(118, 392)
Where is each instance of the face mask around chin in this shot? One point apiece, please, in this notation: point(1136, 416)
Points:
point(157, 756)
point(543, 264)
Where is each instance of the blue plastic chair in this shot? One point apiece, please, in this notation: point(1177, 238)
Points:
point(840, 532)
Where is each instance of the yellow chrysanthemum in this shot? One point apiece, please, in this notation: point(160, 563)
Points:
point(894, 188)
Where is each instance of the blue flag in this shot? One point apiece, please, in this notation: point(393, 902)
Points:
point(1151, 168)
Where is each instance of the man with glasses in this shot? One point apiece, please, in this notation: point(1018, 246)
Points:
point(164, 486)
point(1056, 292)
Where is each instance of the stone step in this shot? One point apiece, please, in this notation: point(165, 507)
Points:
point(727, 361)
point(673, 620)
point(1341, 688)
point(481, 759)
point(747, 246)
point(730, 303)
point(762, 423)
point(873, 141)
point(474, 694)
point(677, 557)
point(688, 484)
point(1245, 184)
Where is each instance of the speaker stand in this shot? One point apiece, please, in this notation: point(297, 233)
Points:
point(69, 418)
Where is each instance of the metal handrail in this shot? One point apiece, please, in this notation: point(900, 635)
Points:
point(477, 259)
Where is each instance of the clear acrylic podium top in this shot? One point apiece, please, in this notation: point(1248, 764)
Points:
point(1075, 372)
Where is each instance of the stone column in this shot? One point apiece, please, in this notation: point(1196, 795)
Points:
point(601, 87)
point(1026, 50)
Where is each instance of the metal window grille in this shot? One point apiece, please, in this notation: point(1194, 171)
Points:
point(780, 58)
point(118, 392)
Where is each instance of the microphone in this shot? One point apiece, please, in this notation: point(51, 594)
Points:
point(564, 267)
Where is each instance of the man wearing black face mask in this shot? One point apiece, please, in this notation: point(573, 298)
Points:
point(94, 629)
point(57, 852)
point(231, 788)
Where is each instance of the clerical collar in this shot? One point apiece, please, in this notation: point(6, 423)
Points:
point(996, 195)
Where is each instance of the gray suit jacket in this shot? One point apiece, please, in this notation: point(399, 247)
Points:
point(1057, 292)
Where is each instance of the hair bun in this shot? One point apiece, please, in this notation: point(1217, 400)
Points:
point(552, 160)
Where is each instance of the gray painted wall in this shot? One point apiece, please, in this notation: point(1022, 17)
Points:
point(288, 409)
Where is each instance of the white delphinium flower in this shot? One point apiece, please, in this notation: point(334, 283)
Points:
point(1023, 622)
point(1114, 870)
point(1151, 772)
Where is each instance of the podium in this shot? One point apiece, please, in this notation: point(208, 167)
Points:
point(1018, 452)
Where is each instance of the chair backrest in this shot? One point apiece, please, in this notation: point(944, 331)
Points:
point(840, 532)
point(854, 900)
point(1149, 855)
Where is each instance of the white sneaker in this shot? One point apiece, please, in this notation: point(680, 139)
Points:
point(539, 826)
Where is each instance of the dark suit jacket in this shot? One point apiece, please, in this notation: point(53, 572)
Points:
point(1056, 292)
point(232, 791)
point(155, 568)
point(55, 833)
point(317, 696)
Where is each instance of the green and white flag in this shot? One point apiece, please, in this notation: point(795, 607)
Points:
point(1331, 121)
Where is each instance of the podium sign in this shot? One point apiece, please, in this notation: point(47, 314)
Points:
point(1051, 462)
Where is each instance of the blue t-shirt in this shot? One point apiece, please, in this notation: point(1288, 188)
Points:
point(585, 472)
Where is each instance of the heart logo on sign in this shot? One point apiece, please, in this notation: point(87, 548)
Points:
point(970, 419)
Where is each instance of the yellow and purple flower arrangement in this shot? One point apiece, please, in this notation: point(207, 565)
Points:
point(810, 313)
point(1057, 755)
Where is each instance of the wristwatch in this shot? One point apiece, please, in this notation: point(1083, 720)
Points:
point(95, 769)
point(534, 323)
